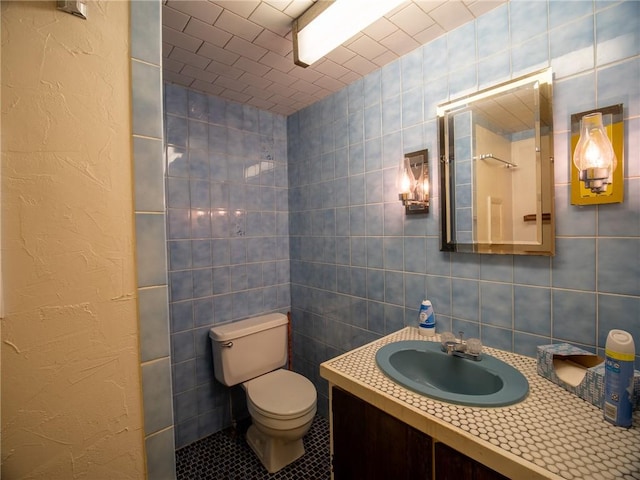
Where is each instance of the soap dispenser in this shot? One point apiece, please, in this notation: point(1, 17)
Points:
point(426, 319)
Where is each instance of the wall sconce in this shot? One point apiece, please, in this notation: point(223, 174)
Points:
point(412, 181)
point(597, 169)
point(328, 24)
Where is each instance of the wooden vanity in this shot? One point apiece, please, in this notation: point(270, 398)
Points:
point(381, 430)
point(369, 443)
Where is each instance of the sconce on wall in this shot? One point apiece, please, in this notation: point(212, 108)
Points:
point(328, 24)
point(597, 169)
point(412, 181)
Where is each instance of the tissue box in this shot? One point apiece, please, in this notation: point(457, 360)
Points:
point(578, 371)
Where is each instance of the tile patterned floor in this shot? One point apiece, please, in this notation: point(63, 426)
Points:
point(226, 455)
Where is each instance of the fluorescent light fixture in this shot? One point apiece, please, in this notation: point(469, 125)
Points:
point(327, 25)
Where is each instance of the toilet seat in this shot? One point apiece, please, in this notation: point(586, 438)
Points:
point(281, 394)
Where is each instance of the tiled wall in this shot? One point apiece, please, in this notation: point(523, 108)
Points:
point(151, 258)
point(228, 239)
point(359, 266)
point(463, 126)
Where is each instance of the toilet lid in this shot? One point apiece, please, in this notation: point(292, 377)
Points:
point(281, 392)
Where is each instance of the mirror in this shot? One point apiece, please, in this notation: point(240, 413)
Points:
point(496, 169)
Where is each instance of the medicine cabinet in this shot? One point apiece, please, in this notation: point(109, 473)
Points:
point(496, 169)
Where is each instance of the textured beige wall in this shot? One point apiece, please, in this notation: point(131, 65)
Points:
point(71, 397)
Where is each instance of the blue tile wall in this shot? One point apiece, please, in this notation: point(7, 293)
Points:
point(268, 214)
point(359, 267)
point(150, 221)
point(228, 238)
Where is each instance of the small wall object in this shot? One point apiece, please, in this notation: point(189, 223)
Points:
point(412, 182)
point(587, 188)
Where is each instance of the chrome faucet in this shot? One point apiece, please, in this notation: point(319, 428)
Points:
point(460, 347)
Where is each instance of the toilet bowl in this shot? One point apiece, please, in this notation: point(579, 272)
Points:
point(282, 403)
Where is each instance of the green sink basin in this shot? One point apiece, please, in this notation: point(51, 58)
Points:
point(421, 366)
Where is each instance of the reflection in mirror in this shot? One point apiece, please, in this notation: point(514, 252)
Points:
point(496, 172)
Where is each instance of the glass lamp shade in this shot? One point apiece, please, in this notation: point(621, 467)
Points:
point(422, 188)
point(594, 156)
point(405, 181)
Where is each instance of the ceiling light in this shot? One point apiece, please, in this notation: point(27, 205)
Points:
point(327, 25)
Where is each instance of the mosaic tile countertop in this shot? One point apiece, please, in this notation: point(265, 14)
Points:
point(551, 434)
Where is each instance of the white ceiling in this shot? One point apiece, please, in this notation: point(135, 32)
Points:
point(242, 50)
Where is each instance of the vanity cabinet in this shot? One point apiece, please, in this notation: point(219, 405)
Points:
point(453, 465)
point(369, 443)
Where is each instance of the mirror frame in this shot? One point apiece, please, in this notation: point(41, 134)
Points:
point(446, 152)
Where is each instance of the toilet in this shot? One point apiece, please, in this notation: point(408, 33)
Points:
point(282, 403)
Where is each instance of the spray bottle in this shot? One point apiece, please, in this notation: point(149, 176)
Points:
point(618, 378)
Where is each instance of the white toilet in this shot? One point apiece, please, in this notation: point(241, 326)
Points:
point(282, 403)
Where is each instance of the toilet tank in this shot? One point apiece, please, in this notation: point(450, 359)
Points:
point(249, 348)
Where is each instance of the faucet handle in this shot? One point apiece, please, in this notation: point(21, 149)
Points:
point(474, 346)
point(447, 337)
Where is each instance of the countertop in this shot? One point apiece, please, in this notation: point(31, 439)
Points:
point(552, 434)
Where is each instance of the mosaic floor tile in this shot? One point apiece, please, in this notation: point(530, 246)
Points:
point(226, 455)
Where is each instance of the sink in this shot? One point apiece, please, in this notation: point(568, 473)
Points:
point(421, 366)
